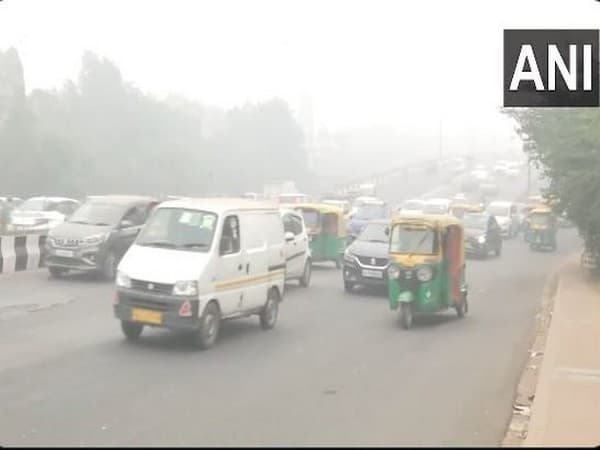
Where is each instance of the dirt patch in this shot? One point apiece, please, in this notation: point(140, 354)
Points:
point(525, 394)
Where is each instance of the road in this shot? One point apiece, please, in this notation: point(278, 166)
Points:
point(336, 370)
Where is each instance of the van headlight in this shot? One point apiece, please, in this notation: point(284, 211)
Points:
point(123, 280)
point(188, 288)
point(424, 273)
point(393, 273)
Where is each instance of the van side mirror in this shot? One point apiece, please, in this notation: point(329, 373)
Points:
point(289, 236)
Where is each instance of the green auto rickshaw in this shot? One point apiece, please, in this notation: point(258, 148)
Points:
point(426, 272)
point(542, 229)
point(326, 229)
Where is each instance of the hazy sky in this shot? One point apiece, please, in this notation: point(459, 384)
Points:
point(363, 63)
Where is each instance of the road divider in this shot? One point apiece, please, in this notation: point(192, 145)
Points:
point(21, 252)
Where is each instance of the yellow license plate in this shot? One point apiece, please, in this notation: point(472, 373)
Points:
point(146, 316)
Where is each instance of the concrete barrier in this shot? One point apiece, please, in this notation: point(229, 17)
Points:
point(21, 252)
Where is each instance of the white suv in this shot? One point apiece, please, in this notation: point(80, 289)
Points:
point(297, 249)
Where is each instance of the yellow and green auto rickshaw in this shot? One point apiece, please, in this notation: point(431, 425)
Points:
point(326, 229)
point(426, 272)
point(542, 228)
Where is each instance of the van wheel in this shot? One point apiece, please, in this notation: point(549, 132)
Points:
point(210, 323)
point(109, 266)
point(57, 272)
point(305, 280)
point(268, 315)
point(131, 330)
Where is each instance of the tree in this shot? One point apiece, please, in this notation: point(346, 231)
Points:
point(566, 148)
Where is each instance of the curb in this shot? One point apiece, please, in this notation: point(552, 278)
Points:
point(517, 428)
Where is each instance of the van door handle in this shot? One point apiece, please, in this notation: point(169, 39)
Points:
point(248, 268)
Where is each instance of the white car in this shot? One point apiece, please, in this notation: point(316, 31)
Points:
point(507, 216)
point(42, 213)
point(437, 206)
point(297, 249)
point(413, 206)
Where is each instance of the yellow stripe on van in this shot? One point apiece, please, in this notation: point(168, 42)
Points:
point(249, 281)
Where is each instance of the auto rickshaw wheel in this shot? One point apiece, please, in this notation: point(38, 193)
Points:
point(461, 308)
point(406, 315)
point(132, 330)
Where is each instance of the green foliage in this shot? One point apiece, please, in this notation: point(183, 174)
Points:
point(565, 144)
point(103, 135)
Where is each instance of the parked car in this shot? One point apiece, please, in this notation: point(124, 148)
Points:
point(482, 234)
point(198, 262)
point(97, 235)
point(366, 259)
point(42, 213)
point(506, 215)
point(297, 249)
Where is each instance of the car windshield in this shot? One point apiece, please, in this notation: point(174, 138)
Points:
point(412, 240)
point(96, 213)
point(374, 232)
point(370, 212)
point(475, 222)
point(496, 210)
point(35, 204)
point(434, 209)
point(179, 228)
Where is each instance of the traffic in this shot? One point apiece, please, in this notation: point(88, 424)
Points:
point(219, 273)
point(189, 263)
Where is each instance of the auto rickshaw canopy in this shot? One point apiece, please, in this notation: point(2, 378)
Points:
point(326, 210)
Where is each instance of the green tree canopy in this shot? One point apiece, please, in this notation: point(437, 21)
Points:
point(564, 143)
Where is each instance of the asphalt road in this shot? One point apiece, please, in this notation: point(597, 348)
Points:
point(337, 368)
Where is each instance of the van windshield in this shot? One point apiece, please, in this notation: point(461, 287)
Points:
point(179, 228)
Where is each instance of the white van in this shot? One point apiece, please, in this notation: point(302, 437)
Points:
point(199, 261)
point(297, 249)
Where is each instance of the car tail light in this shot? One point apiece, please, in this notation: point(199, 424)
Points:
point(185, 310)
